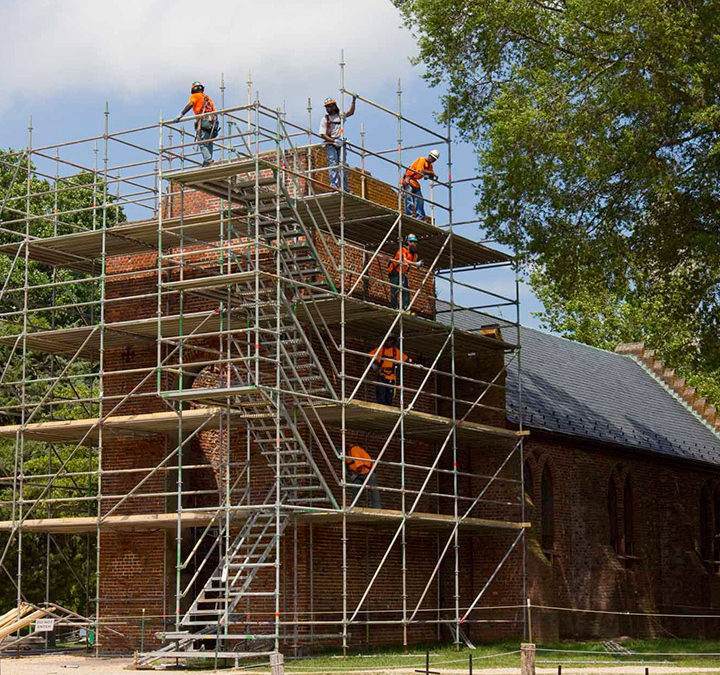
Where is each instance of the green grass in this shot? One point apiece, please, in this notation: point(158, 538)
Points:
point(568, 653)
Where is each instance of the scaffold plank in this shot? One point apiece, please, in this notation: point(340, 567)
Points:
point(420, 334)
point(86, 339)
point(418, 520)
point(376, 418)
point(133, 522)
point(364, 221)
point(227, 180)
point(83, 250)
point(367, 223)
point(88, 430)
point(214, 281)
point(169, 521)
point(219, 393)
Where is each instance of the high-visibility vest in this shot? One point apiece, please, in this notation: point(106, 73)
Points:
point(387, 367)
point(358, 461)
point(403, 255)
point(416, 171)
point(201, 103)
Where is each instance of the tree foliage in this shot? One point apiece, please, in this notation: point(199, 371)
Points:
point(61, 298)
point(596, 126)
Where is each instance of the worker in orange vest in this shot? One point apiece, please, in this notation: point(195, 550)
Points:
point(207, 127)
point(421, 168)
point(397, 272)
point(359, 464)
point(385, 361)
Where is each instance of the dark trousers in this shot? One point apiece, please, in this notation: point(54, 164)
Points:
point(357, 479)
point(384, 393)
point(394, 279)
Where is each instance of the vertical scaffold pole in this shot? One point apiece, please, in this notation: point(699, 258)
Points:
point(453, 398)
point(401, 396)
point(249, 105)
point(280, 176)
point(222, 115)
point(50, 447)
point(519, 403)
point(101, 385)
point(18, 494)
point(343, 393)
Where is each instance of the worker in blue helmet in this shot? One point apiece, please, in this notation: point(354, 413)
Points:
point(398, 269)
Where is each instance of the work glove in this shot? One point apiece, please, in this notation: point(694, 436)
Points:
point(338, 142)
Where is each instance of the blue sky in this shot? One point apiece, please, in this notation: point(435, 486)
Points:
point(140, 56)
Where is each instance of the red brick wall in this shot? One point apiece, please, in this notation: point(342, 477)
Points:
point(586, 572)
point(125, 590)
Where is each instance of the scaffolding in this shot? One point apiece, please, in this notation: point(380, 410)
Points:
point(186, 354)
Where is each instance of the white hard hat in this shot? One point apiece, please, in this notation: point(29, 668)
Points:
point(434, 154)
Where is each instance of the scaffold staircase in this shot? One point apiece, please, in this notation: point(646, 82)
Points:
point(245, 573)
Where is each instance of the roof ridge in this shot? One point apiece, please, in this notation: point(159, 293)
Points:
point(688, 397)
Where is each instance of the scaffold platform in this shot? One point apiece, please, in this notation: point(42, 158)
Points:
point(417, 520)
point(87, 431)
point(240, 305)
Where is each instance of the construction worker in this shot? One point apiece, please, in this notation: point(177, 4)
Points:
point(386, 358)
point(331, 131)
point(206, 128)
point(421, 168)
point(359, 464)
point(397, 272)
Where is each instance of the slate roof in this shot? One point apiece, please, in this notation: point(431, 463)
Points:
point(577, 390)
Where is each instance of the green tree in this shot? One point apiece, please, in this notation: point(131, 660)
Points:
point(596, 126)
point(61, 298)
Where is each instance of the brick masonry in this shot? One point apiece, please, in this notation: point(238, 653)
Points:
point(662, 573)
point(582, 570)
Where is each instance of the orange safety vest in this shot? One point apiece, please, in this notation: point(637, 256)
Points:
point(358, 461)
point(403, 254)
point(387, 368)
point(417, 171)
point(201, 103)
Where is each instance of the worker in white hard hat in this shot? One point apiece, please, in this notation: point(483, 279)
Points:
point(421, 168)
point(332, 132)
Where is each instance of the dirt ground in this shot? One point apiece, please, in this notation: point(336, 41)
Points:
point(69, 664)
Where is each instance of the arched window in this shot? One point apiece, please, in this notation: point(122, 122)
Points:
point(612, 505)
point(528, 481)
point(707, 527)
point(547, 514)
point(628, 518)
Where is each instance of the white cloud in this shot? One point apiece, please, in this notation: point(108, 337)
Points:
point(132, 48)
